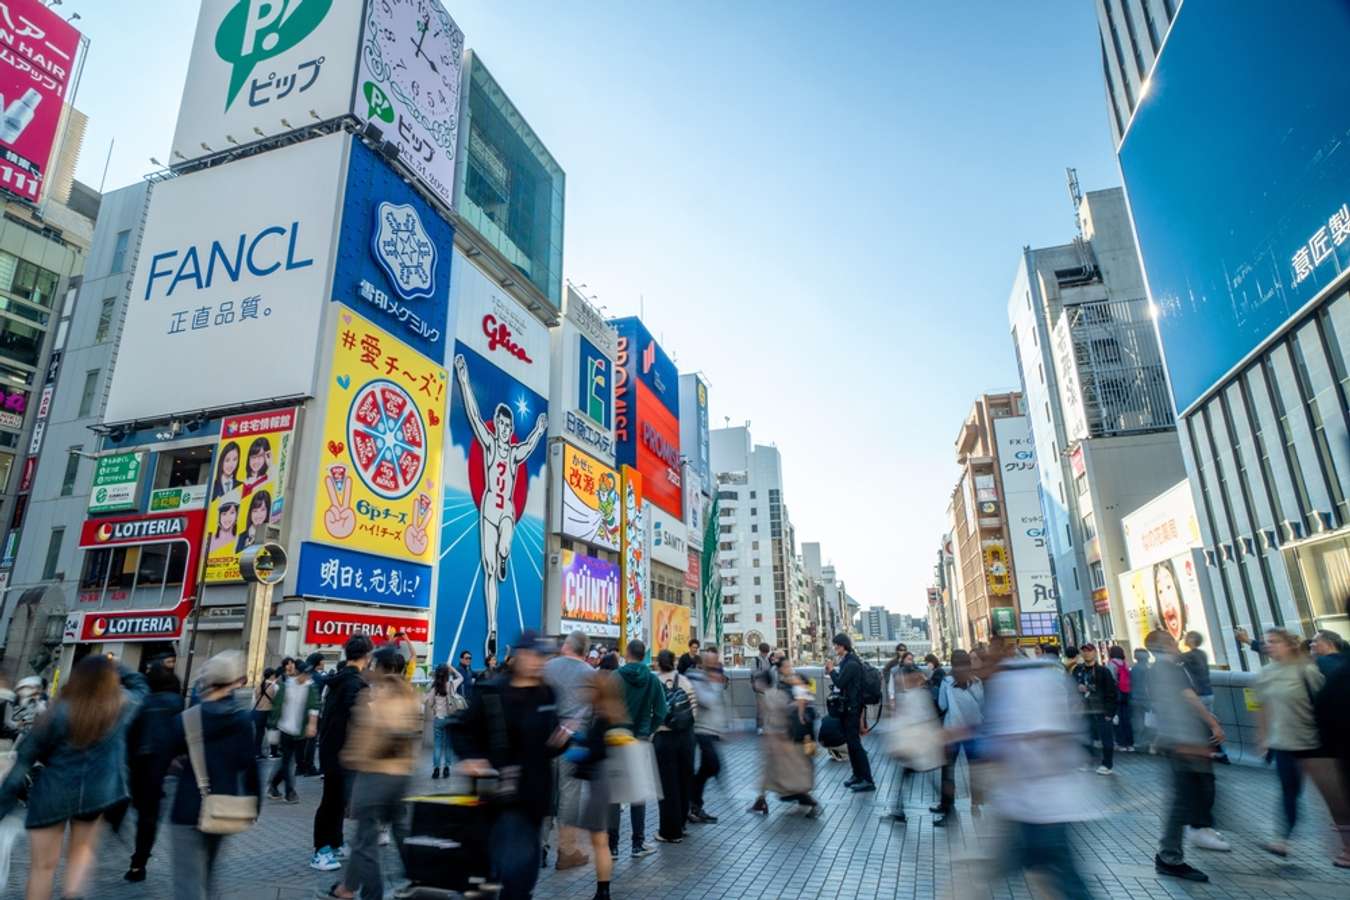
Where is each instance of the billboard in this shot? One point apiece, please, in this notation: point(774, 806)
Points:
point(225, 295)
point(695, 437)
point(117, 482)
point(670, 545)
point(491, 585)
point(37, 60)
point(582, 356)
point(670, 627)
point(633, 558)
point(590, 595)
point(1032, 575)
point(408, 86)
point(1162, 528)
point(1165, 595)
point(586, 497)
point(1237, 180)
point(325, 627)
point(380, 447)
point(394, 256)
point(337, 573)
point(248, 481)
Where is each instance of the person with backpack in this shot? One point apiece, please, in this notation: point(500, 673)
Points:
point(217, 737)
point(961, 704)
point(1100, 696)
point(674, 742)
point(645, 699)
point(859, 687)
point(1287, 725)
point(762, 664)
point(1120, 669)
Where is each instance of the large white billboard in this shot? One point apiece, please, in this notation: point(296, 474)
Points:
point(1162, 528)
point(1026, 524)
point(497, 327)
point(231, 283)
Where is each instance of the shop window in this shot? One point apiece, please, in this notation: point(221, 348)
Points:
point(183, 467)
point(95, 570)
point(161, 564)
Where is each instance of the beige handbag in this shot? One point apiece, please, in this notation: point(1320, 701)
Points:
point(220, 813)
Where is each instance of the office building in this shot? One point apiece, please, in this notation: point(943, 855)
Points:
point(1131, 33)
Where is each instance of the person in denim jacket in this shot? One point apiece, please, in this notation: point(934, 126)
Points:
point(82, 744)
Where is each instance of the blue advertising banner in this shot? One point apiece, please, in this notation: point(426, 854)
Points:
point(641, 357)
point(393, 262)
point(339, 574)
point(1238, 177)
point(596, 396)
point(492, 523)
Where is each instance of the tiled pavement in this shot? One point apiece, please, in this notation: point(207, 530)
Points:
point(853, 850)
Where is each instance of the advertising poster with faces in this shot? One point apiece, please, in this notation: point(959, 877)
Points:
point(248, 478)
point(1165, 596)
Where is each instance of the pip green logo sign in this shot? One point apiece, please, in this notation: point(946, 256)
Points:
point(377, 103)
point(255, 30)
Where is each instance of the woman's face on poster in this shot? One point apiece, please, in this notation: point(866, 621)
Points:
point(1170, 610)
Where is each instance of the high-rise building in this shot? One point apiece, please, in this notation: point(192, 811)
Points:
point(1099, 414)
point(1132, 33)
point(756, 551)
point(876, 624)
point(1240, 208)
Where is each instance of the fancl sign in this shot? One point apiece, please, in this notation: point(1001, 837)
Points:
point(260, 253)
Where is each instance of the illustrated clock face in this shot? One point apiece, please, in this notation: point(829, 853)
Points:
point(411, 57)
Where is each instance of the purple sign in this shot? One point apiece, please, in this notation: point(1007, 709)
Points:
point(590, 594)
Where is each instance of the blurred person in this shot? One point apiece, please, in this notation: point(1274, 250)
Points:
point(439, 704)
point(587, 756)
point(464, 687)
point(915, 739)
point(674, 743)
point(961, 705)
point(512, 727)
point(80, 744)
point(572, 681)
point(1032, 717)
point(1100, 698)
point(1329, 651)
point(761, 663)
point(263, 695)
point(645, 700)
point(690, 659)
point(935, 674)
point(610, 662)
point(1070, 657)
point(295, 716)
point(789, 744)
point(404, 645)
point(340, 696)
point(1196, 663)
point(1141, 717)
point(319, 675)
point(593, 658)
point(215, 732)
point(710, 687)
point(490, 667)
point(847, 675)
point(1333, 725)
point(1286, 724)
point(890, 674)
point(1187, 734)
point(148, 765)
point(381, 751)
point(1124, 722)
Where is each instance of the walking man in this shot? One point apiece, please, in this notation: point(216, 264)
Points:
point(710, 684)
point(645, 700)
point(343, 689)
point(570, 677)
point(847, 676)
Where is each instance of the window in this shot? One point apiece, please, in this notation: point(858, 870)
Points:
point(754, 529)
point(752, 495)
point(105, 318)
point(72, 471)
point(754, 511)
point(53, 553)
point(726, 545)
point(1068, 534)
point(754, 545)
point(1097, 575)
point(27, 281)
point(759, 617)
point(183, 467)
point(90, 390)
point(728, 495)
point(1080, 484)
point(119, 260)
point(1075, 578)
point(756, 580)
point(726, 529)
point(1089, 527)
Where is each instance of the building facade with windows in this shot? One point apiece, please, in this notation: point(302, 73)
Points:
point(1131, 33)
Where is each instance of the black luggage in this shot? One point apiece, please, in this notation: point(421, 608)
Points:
point(447, 843)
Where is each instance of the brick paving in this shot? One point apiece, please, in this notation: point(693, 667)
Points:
point(853, 850)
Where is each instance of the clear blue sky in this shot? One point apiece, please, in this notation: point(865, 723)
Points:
point(822, 207)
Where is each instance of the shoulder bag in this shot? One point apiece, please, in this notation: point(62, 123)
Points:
point(220, 813)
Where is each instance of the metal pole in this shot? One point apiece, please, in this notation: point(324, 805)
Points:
point(196, 609)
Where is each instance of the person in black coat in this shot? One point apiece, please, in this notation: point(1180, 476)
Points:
point(339, 698)
point(848, 678)
point(1101, 700)
point(151, 731)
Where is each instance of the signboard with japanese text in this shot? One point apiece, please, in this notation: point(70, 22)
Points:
point(116, 483)
point(326, 627)
point(586, 506)
point(338, 573)
point(670, 627)
point(380, 451)
point(582, 357)
point(225, 295)
point(248, 484)
point(13, 405)
point(670, 545)
point(261, 68)
point(692, 572)
point(1162, 528)
point(408, 86)
point(38, 51)
point(187, 497)
point(633, 558)
point(590, 594)
point(394, 257)
point(1032, 575)
point(646, 415)
point(491, 581)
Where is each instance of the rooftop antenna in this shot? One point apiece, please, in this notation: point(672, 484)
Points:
point(1075, 196)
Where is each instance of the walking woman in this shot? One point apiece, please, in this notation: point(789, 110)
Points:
point(1124, 713)
point(1285, 724)
point(441, 702)
point(961, 704)
point(588, 754)
point(915, 736)
point(789, 743)
point(81, 743)
point(674, 744)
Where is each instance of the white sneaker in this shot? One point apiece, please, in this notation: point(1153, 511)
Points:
point(1103, 770)
point(324, 861)
point(1208, 839)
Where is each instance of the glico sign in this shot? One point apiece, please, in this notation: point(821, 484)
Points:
point(646, 415)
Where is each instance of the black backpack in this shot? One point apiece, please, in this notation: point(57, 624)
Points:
point(679, 711)
point(871, 684)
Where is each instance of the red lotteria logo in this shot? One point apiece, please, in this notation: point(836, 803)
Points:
point(499, 335)
point(103, 533)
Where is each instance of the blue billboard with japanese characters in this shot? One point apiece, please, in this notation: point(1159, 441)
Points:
point(1237, 170)
point(394, 253)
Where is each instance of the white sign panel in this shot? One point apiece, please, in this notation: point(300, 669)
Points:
point(260, 68)
point(231, 284)
point(408, 86)
point(669, 544)
point(1026, 524)
point(1162, 528)
point(497, 327)
point(583, 350)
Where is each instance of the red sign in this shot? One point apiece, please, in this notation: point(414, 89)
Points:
point(37, 59)
point(135, 624)
point(499, 334)
point(658, 452)
point(29, 468)
point(324, 626)
point(692, 572)
point(1101, 601)
point(1077, 462)
point(121, 531)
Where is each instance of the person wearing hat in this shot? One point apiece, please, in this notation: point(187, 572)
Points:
point(227, 750)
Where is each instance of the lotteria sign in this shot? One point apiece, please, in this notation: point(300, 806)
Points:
point(328, 627)
point(141, 529)
point(134, 625)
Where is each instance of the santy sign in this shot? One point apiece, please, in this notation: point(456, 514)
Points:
point(325, 627)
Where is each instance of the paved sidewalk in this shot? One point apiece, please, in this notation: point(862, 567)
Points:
point(853, 850)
